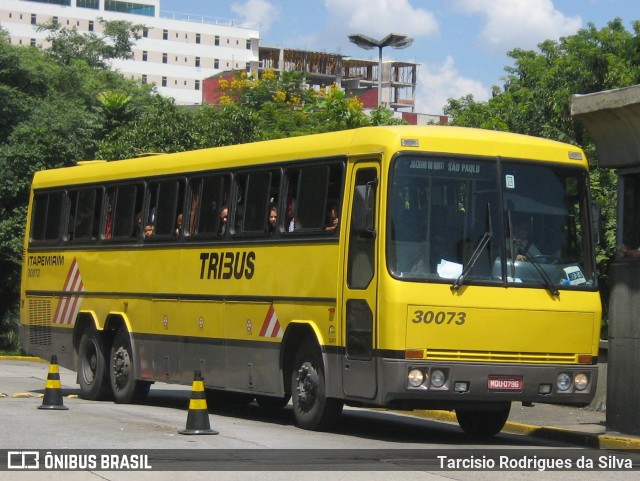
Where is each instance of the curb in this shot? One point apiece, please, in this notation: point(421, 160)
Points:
point(596, 441)
point(22, 358)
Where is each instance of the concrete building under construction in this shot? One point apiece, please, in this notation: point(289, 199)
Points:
point(355, 76)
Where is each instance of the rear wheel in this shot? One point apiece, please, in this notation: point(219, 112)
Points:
point(93, 372)
point(483, 423)
point(123, 383)
point(312, 408)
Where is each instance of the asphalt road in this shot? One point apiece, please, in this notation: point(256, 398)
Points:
point(250, 443)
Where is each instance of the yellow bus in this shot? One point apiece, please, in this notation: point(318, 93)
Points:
point(408, 267)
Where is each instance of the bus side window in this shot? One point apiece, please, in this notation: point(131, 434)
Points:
point(253, 195)
point(312, 197)
point(123, 202)
point(208, 196)
point(84, 222)
point(45, 219)
point(165, 204)
point(310, 191)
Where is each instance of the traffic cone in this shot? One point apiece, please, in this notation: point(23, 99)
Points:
point(52, 389)
point(198, 416)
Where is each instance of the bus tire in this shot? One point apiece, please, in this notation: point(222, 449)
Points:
point(124, 386)
point(93, 371)
point(313, 410)
point(483, 423)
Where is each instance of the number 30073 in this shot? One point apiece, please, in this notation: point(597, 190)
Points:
point(439, 317)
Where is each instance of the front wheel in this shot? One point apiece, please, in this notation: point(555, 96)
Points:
point(123, 383)
point(483, 423)
point(93, 371)
point(311, 406)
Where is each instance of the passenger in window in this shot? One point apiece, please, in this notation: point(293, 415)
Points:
point(178, 225)
point(195, 200)
point(332, 218)
point(224, 217)
point(292, 222)
point(273, 219)
point(148, 231)
point(108, 229)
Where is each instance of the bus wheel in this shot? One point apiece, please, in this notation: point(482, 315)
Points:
point(483, 423)
point(312, 409)
point(93, 374)
point(123, 384)
point(272, 404)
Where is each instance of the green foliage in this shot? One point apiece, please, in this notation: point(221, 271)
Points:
point(228, 125)
point(161, 127)
point(69, 46)
point(9, 340)
point(382, 116)
point(50, 116)
point(282, 106)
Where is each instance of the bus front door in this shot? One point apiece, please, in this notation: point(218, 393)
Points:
point(360, 289)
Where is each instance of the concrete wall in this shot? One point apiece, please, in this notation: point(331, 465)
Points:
point(623, 388)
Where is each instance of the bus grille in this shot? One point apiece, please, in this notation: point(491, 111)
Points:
point(490, 356)
point(40, 322)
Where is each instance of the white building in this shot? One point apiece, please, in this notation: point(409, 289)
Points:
point(176, 51)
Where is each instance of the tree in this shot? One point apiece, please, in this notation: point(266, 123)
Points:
point(50, 116)
point(67, 45)
point(282, 106)
point(161, 127)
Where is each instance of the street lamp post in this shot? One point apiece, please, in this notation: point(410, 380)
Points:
point(392, 40)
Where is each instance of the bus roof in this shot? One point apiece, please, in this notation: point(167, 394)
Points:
point(384, 140)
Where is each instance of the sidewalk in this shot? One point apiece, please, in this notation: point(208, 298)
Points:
point(577, 426)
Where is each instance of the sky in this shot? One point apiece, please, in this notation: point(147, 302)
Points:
point(460, 45)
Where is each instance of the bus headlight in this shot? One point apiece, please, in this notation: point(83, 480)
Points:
point(563, 382)
point(580, 381)
point(415, 378)
point(437, 378)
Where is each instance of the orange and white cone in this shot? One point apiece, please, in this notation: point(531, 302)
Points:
point(198, 416)
point(53, 389)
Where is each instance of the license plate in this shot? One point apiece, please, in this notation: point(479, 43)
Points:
point(505, 383)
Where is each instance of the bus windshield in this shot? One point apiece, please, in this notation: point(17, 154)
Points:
point(479, 221)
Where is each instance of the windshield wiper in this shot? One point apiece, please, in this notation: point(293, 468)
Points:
point(480, 246)
point(548, 283)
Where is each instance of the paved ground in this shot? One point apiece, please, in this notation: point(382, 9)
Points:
point(578, 426)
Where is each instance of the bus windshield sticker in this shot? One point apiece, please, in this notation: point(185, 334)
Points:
point(510, 181)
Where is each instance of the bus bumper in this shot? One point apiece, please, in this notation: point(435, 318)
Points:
point(447, 385)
